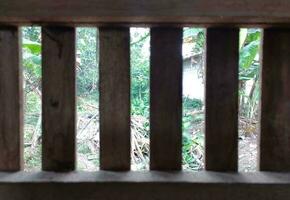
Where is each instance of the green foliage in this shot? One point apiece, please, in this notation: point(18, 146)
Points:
point(249, 72)
point(189, 118)
point(192, 104)
point(33, 103)
point(196, 36)
point(192, 140)
point(192, 151)
point(32, 53)
point(249, 54)
point(33, 47)
point(32, 158)
point(32, 62)
point(140, 71)
point(87, 64)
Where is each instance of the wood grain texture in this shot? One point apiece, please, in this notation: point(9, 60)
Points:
point(221, 118)
point(145, 185)
point(149, 11)
point(115, 146)
point(275, 109)
point(165, 99)
point(58, 98)
point(11, 114)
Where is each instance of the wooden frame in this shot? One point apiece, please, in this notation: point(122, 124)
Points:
point(144, 185)
point(166, 17)
point(102, 12)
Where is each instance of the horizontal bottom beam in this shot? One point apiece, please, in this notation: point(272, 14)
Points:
point(144, 186)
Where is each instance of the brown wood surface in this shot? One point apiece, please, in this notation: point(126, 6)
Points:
point(58, 98)
point(275, 106)
point(144, 185)
point(166, 98)
point(11, 116)
point(149, 11)
point(115, 147)
point(221, 120)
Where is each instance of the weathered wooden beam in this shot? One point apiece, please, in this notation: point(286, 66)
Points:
point(222, 90)
point(115, 146)
point(166, 98)
point(11, 101)
point(144, 185)
point(275, 106)
point(58, 99)
point(210, 12)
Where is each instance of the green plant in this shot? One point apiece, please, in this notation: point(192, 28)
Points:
point(249, 72)
point(87, 64)
point(140, 71)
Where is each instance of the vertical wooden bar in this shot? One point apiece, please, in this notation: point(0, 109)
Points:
point(221, 120)
point(275, 102)
point(166, 99)
point(115, 99)
point(11, 115)
point(58, 98)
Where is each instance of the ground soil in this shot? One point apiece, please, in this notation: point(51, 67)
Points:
point(248, 153)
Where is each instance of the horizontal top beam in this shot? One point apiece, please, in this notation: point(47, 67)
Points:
point(148, 12)
point(146, 177)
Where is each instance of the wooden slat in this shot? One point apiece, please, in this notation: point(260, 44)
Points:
point(155, 185)
point(166, 98)
point(58, 98)
point(11, 116)
point(115, 99)
point(221, 120)
point(275, 110)
point(149, 11)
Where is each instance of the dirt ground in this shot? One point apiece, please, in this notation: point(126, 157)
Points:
point(248, 153)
